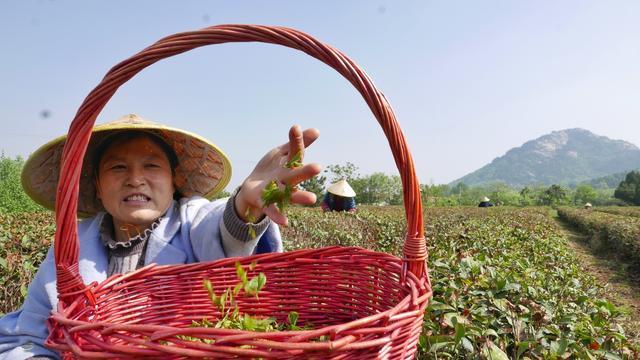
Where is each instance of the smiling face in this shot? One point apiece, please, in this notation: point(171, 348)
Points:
point(134, 181)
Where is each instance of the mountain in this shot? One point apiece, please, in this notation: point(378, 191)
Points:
point(562, 157)
point(609, 181)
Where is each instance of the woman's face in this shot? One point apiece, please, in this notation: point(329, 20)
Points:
point(135, 182)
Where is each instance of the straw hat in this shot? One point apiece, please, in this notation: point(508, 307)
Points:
point(203, 168)
point(485, 199)
point(588, 205)
point(341, 188)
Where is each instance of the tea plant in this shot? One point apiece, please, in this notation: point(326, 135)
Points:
point(272, 194)
point(231, 317)
point(617, 234)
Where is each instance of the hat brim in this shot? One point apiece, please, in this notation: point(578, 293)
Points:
point(203, 168)
point(341, 188)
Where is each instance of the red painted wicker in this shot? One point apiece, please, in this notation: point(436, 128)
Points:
point(364, 304)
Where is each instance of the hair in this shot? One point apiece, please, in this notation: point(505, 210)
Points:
point(121, 137)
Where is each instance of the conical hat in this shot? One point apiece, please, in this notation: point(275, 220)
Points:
point(341, 188)
point(203, 168)
point(485, 199)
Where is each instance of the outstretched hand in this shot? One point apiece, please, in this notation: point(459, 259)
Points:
point(273, 167)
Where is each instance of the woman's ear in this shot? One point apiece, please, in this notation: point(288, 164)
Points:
point(96, 184)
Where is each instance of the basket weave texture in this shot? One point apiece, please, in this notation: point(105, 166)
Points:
point(362, 304)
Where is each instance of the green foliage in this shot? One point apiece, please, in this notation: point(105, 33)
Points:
point(295, 161)
point(584, 193)
point(609, 181)
point(347, 171)
point(504, 281)
point(227, 305)
point(24, 241)
point(12, 196)
point(378, 188)
point(555, 195)
point(633, 211)
point(629, 188)
point(271, 194)
point(614, 233)
point(231, 316)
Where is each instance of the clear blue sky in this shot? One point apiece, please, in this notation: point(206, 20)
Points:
point(468, 80)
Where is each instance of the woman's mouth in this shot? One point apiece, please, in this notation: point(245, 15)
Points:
point(136, 198)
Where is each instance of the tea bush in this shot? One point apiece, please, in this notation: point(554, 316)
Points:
point(505, 283)
point(617, 234)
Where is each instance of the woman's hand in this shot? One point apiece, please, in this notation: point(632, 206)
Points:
point(273, 166)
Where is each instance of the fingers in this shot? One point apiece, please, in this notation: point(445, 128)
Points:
point(308, 137)
point(303, 198)
point(274, 214)
point(296, 142)
point(297, 197)
point(300, 174)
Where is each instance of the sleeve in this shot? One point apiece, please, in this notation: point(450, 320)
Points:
point(23, 332)
point(217, 232)
point(351, 205)
point(325, 203)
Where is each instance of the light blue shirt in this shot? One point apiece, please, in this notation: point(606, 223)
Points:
point(191, 231)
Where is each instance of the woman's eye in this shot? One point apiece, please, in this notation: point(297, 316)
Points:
point(152, 165)
point(118, 167)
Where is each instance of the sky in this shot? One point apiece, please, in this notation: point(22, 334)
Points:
point(468, 80)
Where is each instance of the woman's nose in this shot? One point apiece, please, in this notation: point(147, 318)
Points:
point(135, 178)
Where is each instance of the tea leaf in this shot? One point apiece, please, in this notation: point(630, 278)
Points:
point(296, 161)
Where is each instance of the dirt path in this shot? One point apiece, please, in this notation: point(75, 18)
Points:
point(623, 288)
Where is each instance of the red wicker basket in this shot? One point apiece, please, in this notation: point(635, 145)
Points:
point(362, 304)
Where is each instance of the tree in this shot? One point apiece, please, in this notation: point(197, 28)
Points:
point(526, 196)
point(584, 194)
point(378, 188)
point(347, 172)
point(555, 195)
point(315, 185)
point(12, 196)
point(501, 194)
point(629, 189)
point(435, 194)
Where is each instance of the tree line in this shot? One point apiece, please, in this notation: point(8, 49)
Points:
point(382, 189)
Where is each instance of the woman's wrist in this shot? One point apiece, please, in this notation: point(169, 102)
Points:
point(245, 211)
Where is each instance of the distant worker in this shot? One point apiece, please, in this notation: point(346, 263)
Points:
point(485, 202)
point(339, 197)
point(588, 206)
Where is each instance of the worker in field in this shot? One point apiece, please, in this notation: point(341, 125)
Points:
point(339, 197)
point(485, 202)
point(588, 206)
point(144, 194)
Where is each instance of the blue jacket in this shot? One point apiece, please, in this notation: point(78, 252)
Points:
point(190, 232)
point(337, 203)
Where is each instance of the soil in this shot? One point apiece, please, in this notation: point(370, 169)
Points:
point(622, 284)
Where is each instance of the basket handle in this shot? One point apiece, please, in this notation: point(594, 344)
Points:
point(66, 238)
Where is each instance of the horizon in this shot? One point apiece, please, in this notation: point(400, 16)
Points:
point(467, 83)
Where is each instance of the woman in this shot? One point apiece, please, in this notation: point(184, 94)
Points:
point(340, 196)
point(485, 202)
point(145, 188)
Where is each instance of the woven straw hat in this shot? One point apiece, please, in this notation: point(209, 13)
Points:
point(485, 199)
point(341, 188)
point(588, 205)
point(203, 168)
